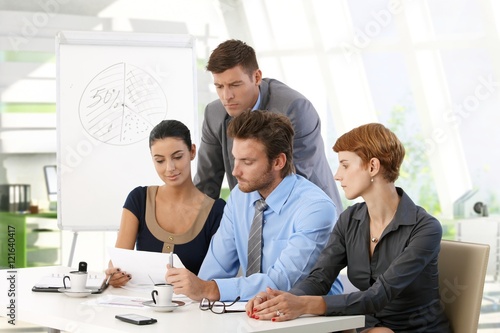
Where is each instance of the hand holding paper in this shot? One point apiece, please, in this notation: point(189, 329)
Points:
point(144, 266)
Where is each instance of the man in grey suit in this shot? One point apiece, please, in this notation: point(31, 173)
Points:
point(240, 86)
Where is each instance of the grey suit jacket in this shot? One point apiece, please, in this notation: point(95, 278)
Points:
point(215, 158)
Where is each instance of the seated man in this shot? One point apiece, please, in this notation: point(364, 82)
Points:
point(294, 227)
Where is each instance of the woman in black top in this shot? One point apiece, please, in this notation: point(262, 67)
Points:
point(389, 245)
point(173, 217)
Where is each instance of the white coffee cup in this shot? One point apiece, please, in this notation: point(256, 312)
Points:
point(163, 292)
point(78, 281)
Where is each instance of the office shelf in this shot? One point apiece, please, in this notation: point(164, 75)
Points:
point(28, 240)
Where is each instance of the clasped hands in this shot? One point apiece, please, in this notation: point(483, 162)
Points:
point(275, 305)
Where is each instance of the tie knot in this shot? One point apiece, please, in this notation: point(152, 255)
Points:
point(260, 205)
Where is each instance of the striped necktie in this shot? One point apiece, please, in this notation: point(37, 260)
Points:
point(255, 239)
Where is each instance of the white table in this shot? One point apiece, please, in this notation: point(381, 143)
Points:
point(62, 313)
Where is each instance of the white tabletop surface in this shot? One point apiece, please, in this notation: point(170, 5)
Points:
point(60, 312)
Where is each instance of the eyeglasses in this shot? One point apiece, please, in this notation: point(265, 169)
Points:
point(218, 306)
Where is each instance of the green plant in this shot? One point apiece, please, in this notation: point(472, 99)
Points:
point(415, 176)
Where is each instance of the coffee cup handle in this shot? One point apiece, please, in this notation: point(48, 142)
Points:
point(153, 295)
point(64, 281)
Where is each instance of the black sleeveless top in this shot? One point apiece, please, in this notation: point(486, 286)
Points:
point(191, 246)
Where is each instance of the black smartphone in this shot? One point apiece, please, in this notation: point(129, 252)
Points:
point(136, 319)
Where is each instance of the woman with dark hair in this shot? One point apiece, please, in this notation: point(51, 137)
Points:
point(174, 217)
point(389, 245)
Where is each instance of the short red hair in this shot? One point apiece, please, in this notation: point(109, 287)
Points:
point(374, 140)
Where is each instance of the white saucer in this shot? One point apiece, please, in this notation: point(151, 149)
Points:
point(164, 308)
point(72, 293)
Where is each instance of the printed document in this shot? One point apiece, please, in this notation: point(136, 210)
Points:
point(145, 267)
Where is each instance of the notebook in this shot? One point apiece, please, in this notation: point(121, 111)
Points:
point(96, 282)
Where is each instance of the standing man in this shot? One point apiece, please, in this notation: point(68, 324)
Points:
point(240, 86)
point(275, 223)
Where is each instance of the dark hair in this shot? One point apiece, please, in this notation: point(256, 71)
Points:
point(374, 140)
point(273, 130)
point(170, 129)
point(232, 53)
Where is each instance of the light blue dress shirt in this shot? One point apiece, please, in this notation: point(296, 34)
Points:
point(297, 225)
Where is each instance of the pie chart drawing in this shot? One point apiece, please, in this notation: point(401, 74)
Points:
point(121, 105)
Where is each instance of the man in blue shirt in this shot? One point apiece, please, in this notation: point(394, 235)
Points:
point(297, 222)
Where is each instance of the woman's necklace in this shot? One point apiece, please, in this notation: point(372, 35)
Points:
point(375, 239)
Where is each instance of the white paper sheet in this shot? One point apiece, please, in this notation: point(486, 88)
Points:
point(144, 266)
point(126, 301)
point(94, 280)
point(240, 306)
point(118, 301)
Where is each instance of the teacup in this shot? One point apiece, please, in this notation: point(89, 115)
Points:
point(163, 292)
point(78, 281)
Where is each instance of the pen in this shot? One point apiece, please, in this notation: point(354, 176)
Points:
point(107, 280)
point(171, 260)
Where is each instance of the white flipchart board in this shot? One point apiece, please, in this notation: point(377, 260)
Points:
point(112, 89)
